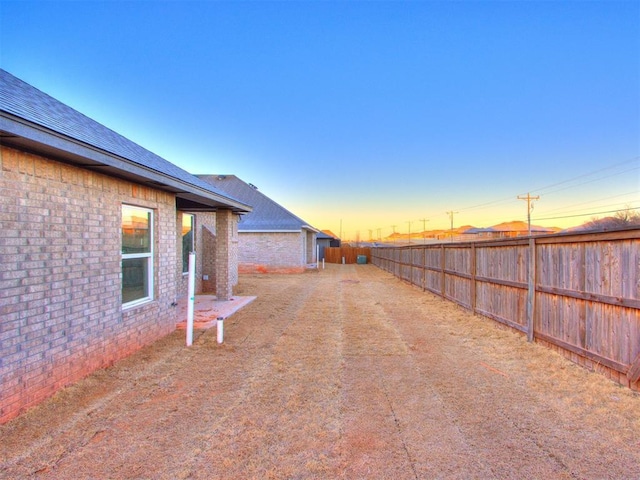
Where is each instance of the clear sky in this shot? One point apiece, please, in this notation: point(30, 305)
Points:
point(360, 116)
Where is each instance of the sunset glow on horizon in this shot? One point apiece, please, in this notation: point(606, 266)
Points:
point(362, 118)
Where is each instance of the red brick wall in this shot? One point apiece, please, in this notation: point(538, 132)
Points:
point(60, 288)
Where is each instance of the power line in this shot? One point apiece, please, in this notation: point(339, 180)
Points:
point(619, 206)
point(588, 174)
point(593, 180)
point(586, 214)
point(592, 201)
point(572, 179)
point(494, 202)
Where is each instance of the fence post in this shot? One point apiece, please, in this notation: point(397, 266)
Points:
point(473, 278)
point(443, 264)
point(531, 290)
point(424, 267)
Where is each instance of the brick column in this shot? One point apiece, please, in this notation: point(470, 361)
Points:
point(224, 236)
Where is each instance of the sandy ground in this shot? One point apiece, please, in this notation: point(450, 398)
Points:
point(344, 373)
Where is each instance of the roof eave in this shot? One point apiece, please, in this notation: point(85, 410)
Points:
point(268, 230)
point(19, 133)
point(242, 229)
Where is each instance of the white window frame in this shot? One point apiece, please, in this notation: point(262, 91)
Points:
point(148, 255)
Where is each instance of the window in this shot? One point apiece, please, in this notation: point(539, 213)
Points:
point(187, 240)
point(137, 255)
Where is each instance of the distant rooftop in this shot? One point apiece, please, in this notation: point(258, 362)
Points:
point(267, 215)
point(328, 234)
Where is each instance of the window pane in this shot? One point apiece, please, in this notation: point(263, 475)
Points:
point(187, 240)
point(135, 279)
point(137, 242)
point(136, 230)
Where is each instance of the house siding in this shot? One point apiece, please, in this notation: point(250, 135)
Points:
point(60, 288)
point(234, 253)
point(271, 252)
point(310, 247)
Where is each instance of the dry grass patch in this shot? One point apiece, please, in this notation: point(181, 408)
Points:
point(344, 373)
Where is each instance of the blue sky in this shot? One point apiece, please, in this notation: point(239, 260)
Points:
point(357, 116)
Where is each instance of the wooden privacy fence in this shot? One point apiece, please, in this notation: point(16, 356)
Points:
point(350, 254)
point(579, 293)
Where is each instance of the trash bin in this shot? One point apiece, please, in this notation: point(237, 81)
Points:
point(361, 259)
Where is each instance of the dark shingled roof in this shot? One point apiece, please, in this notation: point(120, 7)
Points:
point(267, 215)
point(324, 236)
point(33, 120)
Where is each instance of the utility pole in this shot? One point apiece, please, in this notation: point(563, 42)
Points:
point(424, 228)
point(529, 199)
point(451, 213)
point(393, 227)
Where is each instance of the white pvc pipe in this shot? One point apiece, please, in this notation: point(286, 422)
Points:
point(191, 298)
point(323, 263)
point(220, 329)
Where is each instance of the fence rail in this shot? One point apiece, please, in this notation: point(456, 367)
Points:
point(578, 293)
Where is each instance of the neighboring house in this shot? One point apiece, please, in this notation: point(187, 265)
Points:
point(515, 228)
point(271, 238)
point(94, 234)
point(324, 239)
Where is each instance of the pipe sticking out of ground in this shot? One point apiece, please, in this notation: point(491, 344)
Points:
point(191, 297)
point(220, 329)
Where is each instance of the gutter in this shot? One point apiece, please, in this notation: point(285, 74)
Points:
point(274, 230)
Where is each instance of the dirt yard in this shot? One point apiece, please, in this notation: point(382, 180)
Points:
point(344, 373)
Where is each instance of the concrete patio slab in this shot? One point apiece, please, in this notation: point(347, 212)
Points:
point(208, 309)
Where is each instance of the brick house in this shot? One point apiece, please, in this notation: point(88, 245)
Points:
point(270, 238)
point(94, 232)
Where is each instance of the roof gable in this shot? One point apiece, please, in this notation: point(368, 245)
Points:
point(267, 215)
